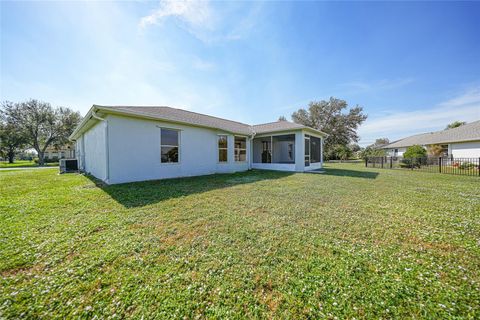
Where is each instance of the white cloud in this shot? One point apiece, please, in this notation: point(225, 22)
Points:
point(196, 14)
point(207, 22)
point(465, 107)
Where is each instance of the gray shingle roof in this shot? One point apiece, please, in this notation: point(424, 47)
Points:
point(189, 117)
point(467, 132)
point(184, 116)
point(277, 126)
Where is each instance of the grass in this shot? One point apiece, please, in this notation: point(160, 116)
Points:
point(354, 242)
point(25, 163)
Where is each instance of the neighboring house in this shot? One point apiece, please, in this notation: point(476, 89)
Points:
point(124, 144)
point(60, 152)
point(460, 142)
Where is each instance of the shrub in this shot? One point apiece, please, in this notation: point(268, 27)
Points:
point(52, 160)
point(412, 162)
point(414, 157)
point(415, 151)
point(467, 165)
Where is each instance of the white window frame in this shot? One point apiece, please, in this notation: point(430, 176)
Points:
point(240, 149)
point(218, 148)
point(168, 145)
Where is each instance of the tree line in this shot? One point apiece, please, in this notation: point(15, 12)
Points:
point(340, 122)
point(34, 124)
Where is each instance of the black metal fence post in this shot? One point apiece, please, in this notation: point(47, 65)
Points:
point(440, 164)
point(382, 162)
point(391, 162)
point(366, 162)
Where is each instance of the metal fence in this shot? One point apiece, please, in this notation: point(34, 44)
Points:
point(449, 165)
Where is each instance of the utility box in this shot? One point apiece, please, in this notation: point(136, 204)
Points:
point(68, 165)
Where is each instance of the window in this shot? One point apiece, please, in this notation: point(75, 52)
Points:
point(169, 145)
point(222, 148)
point(240, 149)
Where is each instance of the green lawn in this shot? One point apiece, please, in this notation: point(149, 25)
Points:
point(354, 242)
point(24, 163)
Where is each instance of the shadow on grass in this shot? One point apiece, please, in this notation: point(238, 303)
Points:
point(138, 194)
point(350, 173)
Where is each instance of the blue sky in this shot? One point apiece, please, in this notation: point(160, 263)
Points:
point(414, 67)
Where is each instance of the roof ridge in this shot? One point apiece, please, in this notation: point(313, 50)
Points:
point(261, 124)
point(183, 110)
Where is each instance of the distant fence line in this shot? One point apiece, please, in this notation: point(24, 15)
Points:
point(448, 165)
point(344, 161)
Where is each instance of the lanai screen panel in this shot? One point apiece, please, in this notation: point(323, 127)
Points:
point(283, 150)
point(262, 150)
point(315, 149)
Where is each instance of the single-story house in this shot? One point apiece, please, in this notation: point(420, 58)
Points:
point(460, 142)
point(60, 152)
point(120, 144)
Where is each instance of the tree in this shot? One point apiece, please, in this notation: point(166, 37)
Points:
point(354, 147)
point(435, 150)
point(380, 142)
point(41, 124)
point(12, 140)
point(329, 117)
point(282, 118)
point(341, 152)
point(371, 152)
point(455, 124)
point(415, 151)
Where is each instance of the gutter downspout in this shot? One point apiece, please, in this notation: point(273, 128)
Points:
point(107, 156)
point(250, 156)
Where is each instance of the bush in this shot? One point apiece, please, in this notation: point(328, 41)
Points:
point(415, 151)
point(45, 160)
point(414, 157)
point(467, 165)
point(412, 162)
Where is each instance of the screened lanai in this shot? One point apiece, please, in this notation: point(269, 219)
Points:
point(293, 152)
point(274, 149)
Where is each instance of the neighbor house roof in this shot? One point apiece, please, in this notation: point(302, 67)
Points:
point(192, 118)
point(467, 132)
